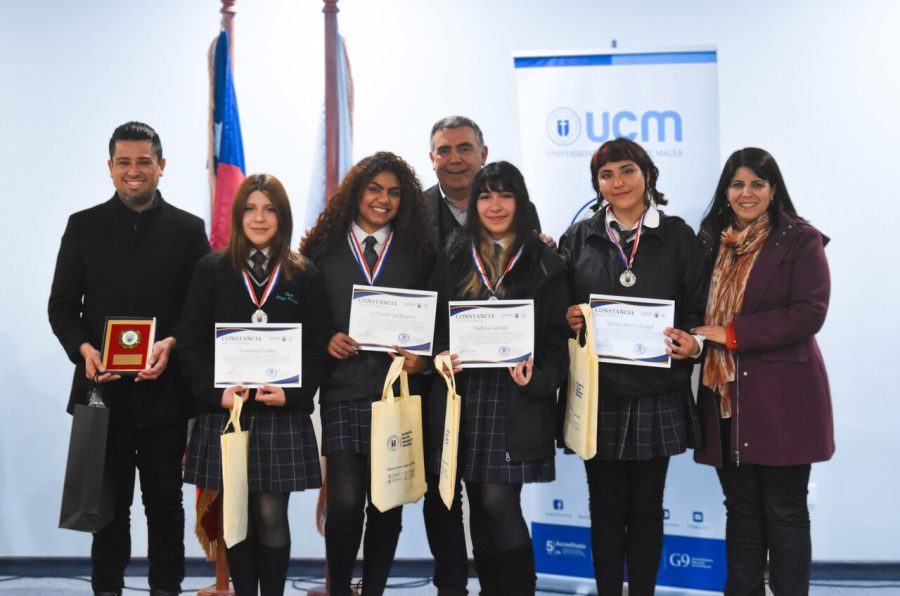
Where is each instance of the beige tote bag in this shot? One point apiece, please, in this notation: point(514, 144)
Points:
point(450, 448)
point(580, 423)
point(397, 454)
point(235, 491)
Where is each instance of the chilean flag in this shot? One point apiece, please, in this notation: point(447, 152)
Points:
point(228, 147)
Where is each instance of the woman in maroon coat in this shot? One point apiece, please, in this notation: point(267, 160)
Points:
point(764, 397)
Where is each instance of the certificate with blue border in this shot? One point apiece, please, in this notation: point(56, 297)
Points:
point(254, 355)
point(381, 318)
point(491, 333)
point(629, 330)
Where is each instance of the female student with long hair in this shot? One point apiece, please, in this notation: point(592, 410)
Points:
point(374, 231)
point(257, 278)
point(764, 397)
point(508, 417)
point(645, 415)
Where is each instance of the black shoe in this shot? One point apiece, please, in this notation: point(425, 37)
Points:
point(155, 592)
point(107, 592)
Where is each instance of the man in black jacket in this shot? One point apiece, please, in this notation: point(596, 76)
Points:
point(132, 256)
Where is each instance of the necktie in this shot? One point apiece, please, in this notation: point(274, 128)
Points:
point(258, 271)
point(369, 253)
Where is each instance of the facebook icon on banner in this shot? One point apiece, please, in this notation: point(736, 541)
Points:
point(558, 504)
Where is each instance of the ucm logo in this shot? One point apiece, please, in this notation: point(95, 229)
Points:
point(563, 126)
point(679, 559)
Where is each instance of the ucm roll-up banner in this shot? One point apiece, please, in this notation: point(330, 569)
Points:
point(569, 104)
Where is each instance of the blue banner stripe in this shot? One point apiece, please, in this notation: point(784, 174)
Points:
point(616, 59)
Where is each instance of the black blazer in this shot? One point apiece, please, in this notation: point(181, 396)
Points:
point(114, 261)
point(540, 275)
point(217, 295)
point(361, 375)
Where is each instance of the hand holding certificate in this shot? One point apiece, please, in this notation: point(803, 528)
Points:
point(258, 354)
point(492, 333)
point(629, 330)
point(381, 318)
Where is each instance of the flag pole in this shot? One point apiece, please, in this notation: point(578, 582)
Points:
point(223, 573)
point(331, 98)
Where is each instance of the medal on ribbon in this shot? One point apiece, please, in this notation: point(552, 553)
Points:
point(479, 266)
point(259, 315)
point(356, 249)
point(628, 278)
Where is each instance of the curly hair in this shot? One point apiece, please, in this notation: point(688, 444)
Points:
point(410, 224)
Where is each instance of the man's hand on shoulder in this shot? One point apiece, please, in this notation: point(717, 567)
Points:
point(159, 360)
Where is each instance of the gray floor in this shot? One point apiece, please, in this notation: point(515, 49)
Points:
point(45, 586)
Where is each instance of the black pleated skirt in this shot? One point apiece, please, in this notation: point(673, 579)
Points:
point(283, 455)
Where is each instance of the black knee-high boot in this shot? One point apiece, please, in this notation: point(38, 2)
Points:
point(515, 571)
point(272, 567)
point(486, 567)
point(243, 568)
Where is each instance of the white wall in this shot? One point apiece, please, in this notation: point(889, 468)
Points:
point(815, 82)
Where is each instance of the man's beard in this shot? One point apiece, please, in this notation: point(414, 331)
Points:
point(140, 201)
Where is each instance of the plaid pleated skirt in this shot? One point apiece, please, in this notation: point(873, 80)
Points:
point(641, 428)
point(347, 425)
point(283, 455)
point(486, 394)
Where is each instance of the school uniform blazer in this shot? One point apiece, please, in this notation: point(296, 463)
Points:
point(361, 376)
point(541, 276)
point(217, 295)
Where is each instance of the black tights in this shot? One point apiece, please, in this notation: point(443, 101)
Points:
point(259, 564)
point(626, 500)
point(495, 517)
point(348, 487)
point(500, 540)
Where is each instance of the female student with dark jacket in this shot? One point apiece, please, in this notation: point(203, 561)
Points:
point(508, 416)
point(258, 279)
point(374, 231)
point(645, 415)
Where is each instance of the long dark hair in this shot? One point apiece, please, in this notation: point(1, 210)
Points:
point(410, 224)
point(719, 214)
point(238, 248)
point(499, 176)
point(624, 150)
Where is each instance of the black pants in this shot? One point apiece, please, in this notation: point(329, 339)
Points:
point(767, 515)
point(446, 538)
point(348, 488)
point(156, 453)
point(626, 500)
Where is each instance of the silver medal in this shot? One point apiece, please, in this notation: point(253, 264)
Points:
point(259, 316)
point(627, 278)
